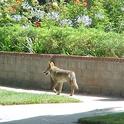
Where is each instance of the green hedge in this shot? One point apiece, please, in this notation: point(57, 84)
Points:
point(62, 40)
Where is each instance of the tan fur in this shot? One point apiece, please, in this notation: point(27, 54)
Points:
point(59, 76)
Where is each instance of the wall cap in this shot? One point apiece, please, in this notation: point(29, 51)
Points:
point(88, 58)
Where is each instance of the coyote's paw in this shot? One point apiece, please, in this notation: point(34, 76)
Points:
point(54, 90)
point(58, 93)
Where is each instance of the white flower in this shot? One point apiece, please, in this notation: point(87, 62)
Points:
point(26, 5)
point(25, 26)
point(99, 16)
point(84, 19)
point(16, 17)
point(66, 22)
point(37, 13)
point(53, 15)
point(40, 13)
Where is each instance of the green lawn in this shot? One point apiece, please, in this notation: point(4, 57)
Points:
point(12, 98)
point(106, 119)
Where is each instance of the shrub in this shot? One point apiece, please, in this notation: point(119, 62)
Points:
point(98, 13)
point(115, 11)
point(62, 40)
point(101, 14)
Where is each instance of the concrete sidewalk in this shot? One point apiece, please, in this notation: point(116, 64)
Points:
point(58, 113)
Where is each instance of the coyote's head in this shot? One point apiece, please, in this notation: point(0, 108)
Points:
point(50, 66)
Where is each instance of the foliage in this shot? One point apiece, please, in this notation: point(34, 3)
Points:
point(62, 40)
point(115, 11)
point(107, 15)
point(99, 16)
point(63, 28)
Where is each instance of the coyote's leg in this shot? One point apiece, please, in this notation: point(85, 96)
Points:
point(72, 90)
point(54, 87)
point(60, 88)
point(52, 83)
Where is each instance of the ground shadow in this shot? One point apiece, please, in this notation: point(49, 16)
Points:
point(62, 119)
point(111, 99)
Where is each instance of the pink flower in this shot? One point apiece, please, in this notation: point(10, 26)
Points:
point(37, 23)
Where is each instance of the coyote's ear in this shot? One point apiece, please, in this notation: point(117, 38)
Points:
point(51, 64)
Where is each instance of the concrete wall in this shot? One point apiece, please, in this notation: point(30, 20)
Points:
point(102, 76)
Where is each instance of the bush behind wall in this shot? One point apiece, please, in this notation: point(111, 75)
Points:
point(62, 40)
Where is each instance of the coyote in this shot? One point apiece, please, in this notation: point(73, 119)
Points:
point(59, 76)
